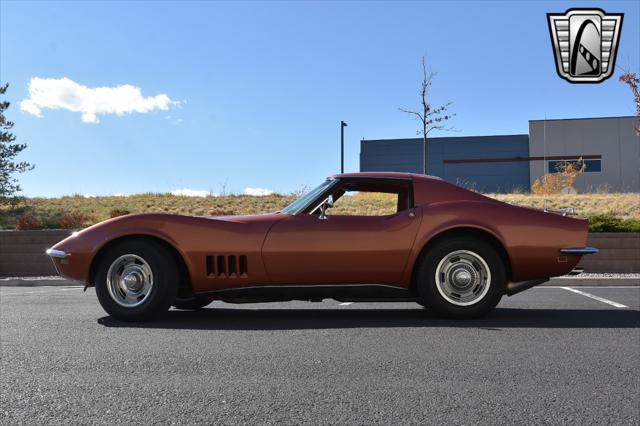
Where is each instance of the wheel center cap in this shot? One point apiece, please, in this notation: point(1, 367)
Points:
point(462, 278)
point(132, 281)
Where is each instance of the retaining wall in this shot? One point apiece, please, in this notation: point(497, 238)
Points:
point(22, 252)
point(619, 253)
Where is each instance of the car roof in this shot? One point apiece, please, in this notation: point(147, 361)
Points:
point(394, 175)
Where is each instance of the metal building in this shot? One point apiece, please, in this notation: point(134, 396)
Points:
point(506, 163)
point(608, 146)
point(466, 161)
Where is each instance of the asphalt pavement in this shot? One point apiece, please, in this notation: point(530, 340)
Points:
point(548, 355)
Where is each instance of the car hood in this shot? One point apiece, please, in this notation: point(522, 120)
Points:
point(158, 220)
point(249, 218)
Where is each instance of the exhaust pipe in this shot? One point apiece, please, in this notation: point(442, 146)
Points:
point(515, 288)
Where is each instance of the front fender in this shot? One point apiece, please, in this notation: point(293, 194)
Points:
point(194, 238)
point(82, 247)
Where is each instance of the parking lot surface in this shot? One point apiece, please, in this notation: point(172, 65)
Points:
point(548, 355)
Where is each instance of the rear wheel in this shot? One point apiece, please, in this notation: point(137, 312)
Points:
point(136, 280)
point(461, 278)
point(192, 303)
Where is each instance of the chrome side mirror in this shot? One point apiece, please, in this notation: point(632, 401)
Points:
point(327, 204)
point(329, 201)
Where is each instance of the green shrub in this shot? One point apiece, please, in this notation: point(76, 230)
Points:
point(609, 223)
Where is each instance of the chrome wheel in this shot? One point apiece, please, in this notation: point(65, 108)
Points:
point(129, 280)
point(463, 277)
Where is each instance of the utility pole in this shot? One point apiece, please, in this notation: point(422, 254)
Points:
point(342, 126)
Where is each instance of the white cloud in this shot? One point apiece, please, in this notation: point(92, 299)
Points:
point(63, 93)
point(193, 193)
point(257, 191)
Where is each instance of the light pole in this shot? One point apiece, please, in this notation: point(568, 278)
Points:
point(342, 126)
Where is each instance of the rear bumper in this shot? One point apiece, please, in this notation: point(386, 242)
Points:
point(579, 250)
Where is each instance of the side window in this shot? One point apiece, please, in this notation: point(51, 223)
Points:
point(354, 203)
point(371, 197)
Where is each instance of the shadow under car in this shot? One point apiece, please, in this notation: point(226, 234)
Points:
point(310, 319)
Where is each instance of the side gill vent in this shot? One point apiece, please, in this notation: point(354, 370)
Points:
point(220, 266)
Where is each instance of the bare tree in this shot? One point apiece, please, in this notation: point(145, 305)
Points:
point(633, 82)
point(223, 187)
point(430, 118)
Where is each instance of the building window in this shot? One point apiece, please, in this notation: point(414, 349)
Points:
point(555, 166)
point(592, 166)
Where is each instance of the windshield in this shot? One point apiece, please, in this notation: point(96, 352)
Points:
point(302, 202)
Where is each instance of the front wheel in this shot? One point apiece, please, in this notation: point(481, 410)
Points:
point(461, 278)
point(136, 280)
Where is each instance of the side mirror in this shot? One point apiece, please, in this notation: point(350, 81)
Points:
point(327, 204)
point(329, 201)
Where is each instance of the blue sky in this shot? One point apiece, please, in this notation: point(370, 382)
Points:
point(255, 91)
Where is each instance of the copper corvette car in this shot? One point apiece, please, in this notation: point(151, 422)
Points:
point(454, 251)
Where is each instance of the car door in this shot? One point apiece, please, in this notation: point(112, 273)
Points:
point(305, 249)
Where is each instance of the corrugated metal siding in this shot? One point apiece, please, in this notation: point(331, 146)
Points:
point(613, 138)
point(405, 155)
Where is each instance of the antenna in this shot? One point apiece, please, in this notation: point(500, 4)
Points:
point(545, 166)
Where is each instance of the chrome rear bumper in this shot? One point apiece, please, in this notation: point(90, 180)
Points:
point(579, 250)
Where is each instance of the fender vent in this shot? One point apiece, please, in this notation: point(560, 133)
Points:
point(226, 266)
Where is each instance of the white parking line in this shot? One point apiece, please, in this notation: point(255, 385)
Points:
point(593, 286)
point(594, 297)
point(345, 303)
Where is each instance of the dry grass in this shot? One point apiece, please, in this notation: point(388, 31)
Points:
point(50, 211)
point(626, 206)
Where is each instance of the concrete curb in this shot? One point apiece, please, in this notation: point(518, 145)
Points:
point(573, 281)
point(37, 282)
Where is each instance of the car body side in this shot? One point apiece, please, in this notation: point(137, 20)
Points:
point(529, 239)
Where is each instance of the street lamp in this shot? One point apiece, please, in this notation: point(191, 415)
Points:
point(342, 126)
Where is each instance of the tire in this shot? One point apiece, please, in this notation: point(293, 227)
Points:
point(461, 278)
point(193, 303)
point(136, 280)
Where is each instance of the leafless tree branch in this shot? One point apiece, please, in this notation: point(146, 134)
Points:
point(429, 117)
point(631, 80)
point(414, 113)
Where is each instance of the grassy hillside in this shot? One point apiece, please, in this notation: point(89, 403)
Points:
point(49, 212)
point(626, 206)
